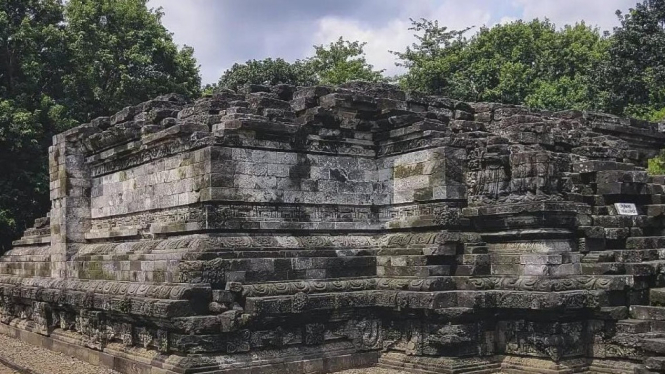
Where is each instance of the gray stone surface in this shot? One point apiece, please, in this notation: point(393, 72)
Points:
point(17, 357)
point(316, 229)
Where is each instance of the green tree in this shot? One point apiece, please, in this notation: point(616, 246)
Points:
point(268, 71)
point(657, 165)
point(33, 55)
point(63, 64)
point(634, 75)
point(656, 115)
point(209, 88)
point(336, 63)
point(568, 72)
point(342, 61)
point(432, 58)
point(529, 63)
point(121, 54)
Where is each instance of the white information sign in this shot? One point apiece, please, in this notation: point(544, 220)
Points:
point(626, 209)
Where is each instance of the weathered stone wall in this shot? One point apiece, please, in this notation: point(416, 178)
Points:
point(163, 184)
point(311, 229)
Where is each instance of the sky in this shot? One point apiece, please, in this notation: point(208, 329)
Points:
point(224, 32)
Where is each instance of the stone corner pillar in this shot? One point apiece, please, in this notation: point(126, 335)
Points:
point(70, 184)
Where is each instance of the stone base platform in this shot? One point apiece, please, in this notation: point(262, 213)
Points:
point(440, 365)
point(501, 364)
point(139, 361)
point(320, 360)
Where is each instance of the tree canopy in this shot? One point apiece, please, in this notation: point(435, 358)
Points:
point(336, 63)
point(529, 63)
point(33, 58)
point(634, 73)
point(342, 61)
point(120, 54)
point(267, 71)
point(61, 64)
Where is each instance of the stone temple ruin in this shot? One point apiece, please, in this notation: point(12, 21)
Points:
point(310, 230)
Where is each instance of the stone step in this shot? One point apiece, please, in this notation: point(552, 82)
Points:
point(624, 256)
point(406, 260)
point(654, 210)
point(639, 255)
point(608, 221)
point(612, 313)
point(414, 271)
point(657, 296)
point(472, 270)
point(475, 249)
point(612, 268)
point(645, 312)
point(645, 242)
point(473, 259)
point(643, 269)
point(643, 370)
point(654, 345)
point(421, 365)
point(594, 166)
point(608, 366)
point(633, 326)
point(655, 364)
point(593, 257)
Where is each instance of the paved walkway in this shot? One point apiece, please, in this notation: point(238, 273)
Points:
point(6, 370)
point(42, 361)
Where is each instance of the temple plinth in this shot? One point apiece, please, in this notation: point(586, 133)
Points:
point(314, 229)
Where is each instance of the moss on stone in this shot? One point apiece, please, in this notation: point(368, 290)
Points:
point(405, 171)
point(425, 193)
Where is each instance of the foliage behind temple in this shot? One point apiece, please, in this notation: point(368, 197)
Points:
point(336, 63)
point(64, 64)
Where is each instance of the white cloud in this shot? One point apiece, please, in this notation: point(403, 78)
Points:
point(599, 13)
